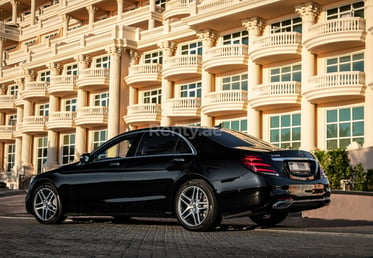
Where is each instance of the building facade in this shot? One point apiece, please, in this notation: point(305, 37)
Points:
point(76, 73)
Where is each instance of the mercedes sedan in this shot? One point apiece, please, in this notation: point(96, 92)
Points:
point(198, 175)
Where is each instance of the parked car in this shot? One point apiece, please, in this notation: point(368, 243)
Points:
point(198, 175)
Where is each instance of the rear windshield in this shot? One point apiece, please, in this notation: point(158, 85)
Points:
point(235, 139)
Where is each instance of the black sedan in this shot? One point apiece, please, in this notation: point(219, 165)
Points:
point(198, 175)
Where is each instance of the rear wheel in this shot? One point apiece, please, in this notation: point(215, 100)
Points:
point(46, 205)
point(269, 219)
point(196, 206)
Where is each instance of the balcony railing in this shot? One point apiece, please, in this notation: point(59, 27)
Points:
point(278, 39)
point(94, 73)
point(337, 25)
point(92, 111)
point(145, 69)
point(62, 116)
point(36, 89)
point(184, 103)
point(227, 50)
point(34, 124)
point(63, 79)
point(7, 102)
point(340, 79)
point(277, 89)
point(62, 84)
point(207, 6)
point(144, 109)
point(227, 96)
point(183, 60)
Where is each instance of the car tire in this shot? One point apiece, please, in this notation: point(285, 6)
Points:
point(269, 219)
point(196, 206)
point(46, 205)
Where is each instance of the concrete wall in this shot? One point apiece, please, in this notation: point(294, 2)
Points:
point(345, 205)
point(363, 156)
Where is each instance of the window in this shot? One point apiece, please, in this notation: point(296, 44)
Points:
point(102, 62)
point(241, 37)
point(161, 3)
point(45, 76)
point(191, 90)
point(153, 58)
point(43, 109)
point(12, 120)
point(71, 69)
point(237, 125)
point(152, 97)
point(350, 10)
point(11, 156)
point(51, 36)
point(99, 137)
point(120, 149)
point(68, 148)
point(30, 42)
point(286, 73)
point(194, 48)
point(101, 100)
point(354, 62)
point(344, 126)
point(285, 130)
point(41, 153)
point(13, 90)
point(155, 143)
point(235, 82)
point(70, 105)
point(292, 25)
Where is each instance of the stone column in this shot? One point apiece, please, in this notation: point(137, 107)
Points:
point(2, 40)
point(81, 132)
point(308, 12)
point(91, 15)
point(168, 49)
point(52, 158)
point(368, 68)
point(114, 91)
point(65, 24)
point(254, 26)
point(120, 9)
point(14, 4)
point(151, 21)
point(33, 12)
point(208, 40)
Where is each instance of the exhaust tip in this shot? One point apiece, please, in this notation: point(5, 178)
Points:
point(283, 203)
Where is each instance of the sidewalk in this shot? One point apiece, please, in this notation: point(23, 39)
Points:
point(8, 192)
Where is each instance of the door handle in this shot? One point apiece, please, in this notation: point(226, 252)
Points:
point(178, 160)
point(114, 164)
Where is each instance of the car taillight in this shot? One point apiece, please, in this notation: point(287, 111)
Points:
point(258, 165)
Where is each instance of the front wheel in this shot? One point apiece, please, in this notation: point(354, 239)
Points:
point(196, 206)
point(269, 219)
point(46, 205)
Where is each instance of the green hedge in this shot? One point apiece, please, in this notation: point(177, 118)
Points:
point(336, 165)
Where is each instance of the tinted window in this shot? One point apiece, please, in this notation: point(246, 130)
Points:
point(119, 149)
point(233, 139)
point(154, 143)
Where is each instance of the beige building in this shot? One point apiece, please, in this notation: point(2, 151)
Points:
point(75, 73)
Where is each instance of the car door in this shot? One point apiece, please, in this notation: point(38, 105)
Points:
point(160, 159)
point(97, 183)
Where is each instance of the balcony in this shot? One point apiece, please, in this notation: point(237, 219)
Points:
point(182, 67)
point(61, 121)
point(93, 79)
point(327, 36)
point(276, 95)
point(342, 86)
point(7, 103)
point(143, 114)
point(62, 85)
point(92, 116)
point(225, 102)
point(35, 91)
point(183, 107)
point(34, 124)
point(226, 58)
point(6, 133)
point(142, 75)
point(9, 32)
point(276, 47)
point(177, 9)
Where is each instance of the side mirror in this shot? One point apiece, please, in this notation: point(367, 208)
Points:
point(84, 158)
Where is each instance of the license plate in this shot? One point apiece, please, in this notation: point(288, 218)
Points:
point(299, 166)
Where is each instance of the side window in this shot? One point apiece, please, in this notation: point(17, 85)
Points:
point(155, 143)
point(121, 149)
